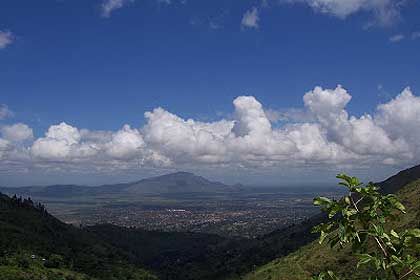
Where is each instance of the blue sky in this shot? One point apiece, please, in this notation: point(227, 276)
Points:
point(97, 69)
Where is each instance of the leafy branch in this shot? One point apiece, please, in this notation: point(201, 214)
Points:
point(360, 220)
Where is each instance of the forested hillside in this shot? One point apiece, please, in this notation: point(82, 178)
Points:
point(34, 244)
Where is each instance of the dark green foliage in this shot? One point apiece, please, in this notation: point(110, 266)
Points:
point(361, 219)
point(29, 228)
point(203, 256)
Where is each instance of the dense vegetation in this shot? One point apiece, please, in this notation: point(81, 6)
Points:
point(360, 220)
point(314, 258)
point(28, 229)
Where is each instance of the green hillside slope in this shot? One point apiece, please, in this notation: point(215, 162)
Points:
point(314, 258)
point(55, 248)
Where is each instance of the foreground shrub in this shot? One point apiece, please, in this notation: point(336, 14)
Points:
point(361, 220)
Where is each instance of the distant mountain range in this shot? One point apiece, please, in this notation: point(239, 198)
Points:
point(174, 183)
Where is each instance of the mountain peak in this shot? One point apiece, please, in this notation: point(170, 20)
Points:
point(179, 182)
point(181, 173)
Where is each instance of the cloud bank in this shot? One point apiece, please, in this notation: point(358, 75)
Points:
point(331, 136)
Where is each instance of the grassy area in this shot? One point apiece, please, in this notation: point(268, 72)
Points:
point(314, 258)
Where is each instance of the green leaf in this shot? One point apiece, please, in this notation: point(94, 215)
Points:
point(355, 182)
point(364, 259)
point(383, 265)
point(347, 200)
point(397, 259)
point(320, 276)
point(322, 237)
point(351, 212)
point(322, 201)
point(415, 232)
point(399, 206)
point(332, 275)
point(416, 267)
point(393, 233)
point(344, 177)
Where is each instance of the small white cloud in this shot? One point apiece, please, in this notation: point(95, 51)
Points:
point(396, 38)
point(17, 132)
point(251, 18)
point(5, 112)
point(108, 6)
point(6, 38)
point(415, 35)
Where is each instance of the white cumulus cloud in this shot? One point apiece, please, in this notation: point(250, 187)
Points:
point(17, 132)
point(330, 137)
point(400, 117)
point(125, 144)
point(61, 142)
point(359, 135)
point(185, 139)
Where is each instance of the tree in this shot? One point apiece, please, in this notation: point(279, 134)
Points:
point(361, 220)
